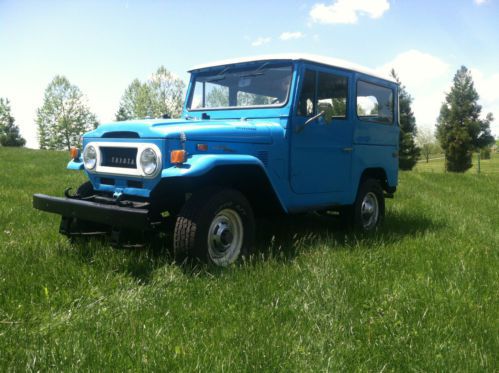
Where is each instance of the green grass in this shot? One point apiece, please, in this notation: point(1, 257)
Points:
point(437, 164)
point(422, 294)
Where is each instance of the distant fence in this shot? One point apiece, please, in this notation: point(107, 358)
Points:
point(437, 164)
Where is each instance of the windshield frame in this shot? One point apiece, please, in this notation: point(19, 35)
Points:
point(253, 65)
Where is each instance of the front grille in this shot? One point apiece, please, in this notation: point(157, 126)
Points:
point(119, 157)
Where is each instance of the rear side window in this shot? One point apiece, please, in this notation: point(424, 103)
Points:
point(374, 103)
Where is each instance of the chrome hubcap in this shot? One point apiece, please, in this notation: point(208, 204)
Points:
point(225, 237)
point(369, 211)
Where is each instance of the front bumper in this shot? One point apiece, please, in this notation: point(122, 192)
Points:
point(111, 215)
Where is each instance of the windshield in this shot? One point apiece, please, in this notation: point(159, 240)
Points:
point(264, 84)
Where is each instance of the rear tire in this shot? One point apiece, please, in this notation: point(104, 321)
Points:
point(368, 211)
point(214, 226)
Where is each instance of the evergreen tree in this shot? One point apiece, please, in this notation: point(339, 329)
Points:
point(64, 116)
point(408, 150)
point(9, 132)
point(160, 96)
point(459, 127)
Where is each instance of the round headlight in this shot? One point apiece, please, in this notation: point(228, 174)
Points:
point(149, 161)
point(89, 157)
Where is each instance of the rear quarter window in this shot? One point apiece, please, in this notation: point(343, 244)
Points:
point(374, 103)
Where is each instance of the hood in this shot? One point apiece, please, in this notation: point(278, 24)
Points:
point(207, 130)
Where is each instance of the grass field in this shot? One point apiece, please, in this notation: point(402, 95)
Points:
point(422, 294)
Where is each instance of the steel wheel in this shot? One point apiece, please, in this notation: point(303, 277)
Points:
point(216, 226)
point(225, 237)
point(369, 211)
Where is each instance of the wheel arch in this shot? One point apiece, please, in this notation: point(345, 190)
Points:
point(249, 179)
point(377, 173)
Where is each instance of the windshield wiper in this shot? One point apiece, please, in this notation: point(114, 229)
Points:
point(257, 72)
point(219, 76)
point(215, 78)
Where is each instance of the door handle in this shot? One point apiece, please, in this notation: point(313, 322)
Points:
point(347, 150)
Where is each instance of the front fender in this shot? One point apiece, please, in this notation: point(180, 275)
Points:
point(200, 164)
point(75, 165)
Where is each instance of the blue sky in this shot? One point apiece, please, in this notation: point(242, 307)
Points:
point(101, 46)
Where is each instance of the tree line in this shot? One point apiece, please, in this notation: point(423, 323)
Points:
point(64, 116)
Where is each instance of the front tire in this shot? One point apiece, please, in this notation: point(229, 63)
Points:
point(214, 226)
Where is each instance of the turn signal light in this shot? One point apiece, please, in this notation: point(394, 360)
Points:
point(178, 156)
point(74, 152)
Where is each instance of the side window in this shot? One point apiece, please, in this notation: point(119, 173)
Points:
point(332, 92)
point(306, 107)
point(374, 102)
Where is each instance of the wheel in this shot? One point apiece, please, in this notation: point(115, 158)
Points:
point(216, 226)
point(368, 210)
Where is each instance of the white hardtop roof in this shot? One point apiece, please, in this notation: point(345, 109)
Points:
point(330, 61)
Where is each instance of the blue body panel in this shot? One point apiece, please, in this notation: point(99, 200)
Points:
point(317, 167)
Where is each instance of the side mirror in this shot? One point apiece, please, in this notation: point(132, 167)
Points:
point(328, 117)
point(326, 107)
point(310, 120)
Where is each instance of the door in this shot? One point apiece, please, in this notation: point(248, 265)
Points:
point(321, 142)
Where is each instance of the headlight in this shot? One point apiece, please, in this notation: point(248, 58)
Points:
point(89, 157)
point(148, 161)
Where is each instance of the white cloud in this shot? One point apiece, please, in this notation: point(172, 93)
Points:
point(291, 35)
point(480, 2)
point(428, 78)
point(348, 11)
point(486, 86)
point(416, 68)
point(260, 41)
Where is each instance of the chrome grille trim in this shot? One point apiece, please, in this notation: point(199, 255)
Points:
point(123, 171)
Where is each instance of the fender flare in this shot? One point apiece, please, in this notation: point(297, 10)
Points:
point(201, 164)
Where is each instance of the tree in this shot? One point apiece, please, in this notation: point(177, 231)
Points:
point(9, 132)
point(427, 142)
point(459, 127)
point(408, 150)
point(167, 93)
point(64, 116)
point(160, 96)
point(136, 102)
point(217, 97)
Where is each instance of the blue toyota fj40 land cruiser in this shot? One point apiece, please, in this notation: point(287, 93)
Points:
point(285, 133)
